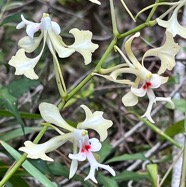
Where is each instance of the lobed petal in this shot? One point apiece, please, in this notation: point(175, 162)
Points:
point(172, 25)
point(35, 151)
point(129, 99)
point(96, 122)
point(166, 53)
point(24, 65)
point(83, 44)
point(50, 114)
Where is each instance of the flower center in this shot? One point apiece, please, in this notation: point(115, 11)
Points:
point(147, 85)
point(86, 148)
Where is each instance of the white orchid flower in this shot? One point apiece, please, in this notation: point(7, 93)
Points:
point(144, 77)
point(86, 148)
point(78, 136)
point(50, 31)
point(172, 25)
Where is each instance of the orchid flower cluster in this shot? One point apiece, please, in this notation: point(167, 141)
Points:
point(77, 136)
point(145, 80)
point(50, 31)
point(144, 83)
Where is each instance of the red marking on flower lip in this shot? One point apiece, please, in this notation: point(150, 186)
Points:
point(147, 85)
point(85, 148)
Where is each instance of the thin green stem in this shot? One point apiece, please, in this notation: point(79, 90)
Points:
point(152, 11)
point(22, 159)
point(138, 28)
point(113, 17)
point(105, 55)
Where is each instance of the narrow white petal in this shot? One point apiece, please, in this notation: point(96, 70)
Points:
point(155, 81)
point(56, 27)
point(20, 25)
point(73, 168)
point(50, 114)
point(108, 168)
point(79, 156)
point(129, 99)
point(166, 99)
point(147, 114)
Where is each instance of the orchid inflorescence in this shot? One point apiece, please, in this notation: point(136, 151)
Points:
point(144, 84)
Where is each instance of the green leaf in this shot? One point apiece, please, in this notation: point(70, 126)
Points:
point(105, 150)
point(60, 170)
point(153, 174)
point(106, 181)
point(137, 156)
point(18, 133)
point(25, 115)
point(18, 181)
point(175, 129)
point(19, 87)
point(130, 175)
point(180, 104)
point(9, 102)
point(29, 167)
point(11, 18)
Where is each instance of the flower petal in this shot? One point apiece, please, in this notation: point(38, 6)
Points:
point(147, 114)
point(172, 25)
point(96, 122)
point(95, 1)
point(56, 27)
point(129, 99)
point(24, 65)
point(79, 156)
point(73, 168)
point(62, 50)
point(32, 29)
point(95, 144)
point(83, 44)
point(29, 44)
point(129, 52)
point(50, 114)
point(166, 53)
point(155, 81)
point(166, 99)
point(140, 92)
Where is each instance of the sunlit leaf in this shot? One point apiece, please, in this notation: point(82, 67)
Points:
point(153, 173)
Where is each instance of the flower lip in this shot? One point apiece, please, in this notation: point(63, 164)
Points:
point(147, 85)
